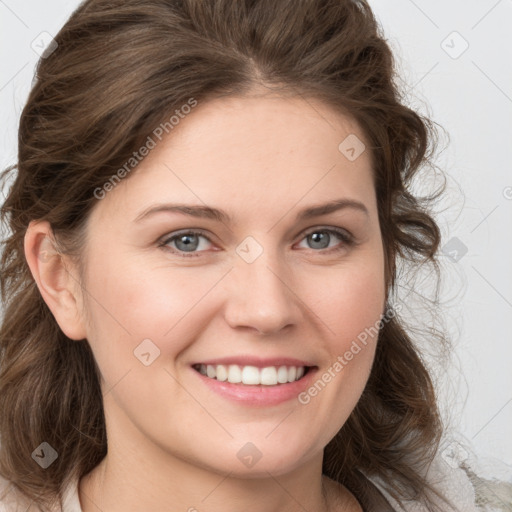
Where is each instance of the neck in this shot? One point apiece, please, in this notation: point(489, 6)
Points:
point(138, 474)
point(123, 485)
point(128, 484)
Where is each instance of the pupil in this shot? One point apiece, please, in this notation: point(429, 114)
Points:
point(189, 243)
point(320, 240)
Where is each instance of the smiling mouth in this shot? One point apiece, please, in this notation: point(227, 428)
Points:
point(252, 375)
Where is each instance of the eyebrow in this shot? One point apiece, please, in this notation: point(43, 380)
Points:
point(208, 212)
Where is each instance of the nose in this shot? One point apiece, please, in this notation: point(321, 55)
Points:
point(261, 298)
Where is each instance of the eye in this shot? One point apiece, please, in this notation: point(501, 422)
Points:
point(186, 242)
point(320, 238)
point(191, 242)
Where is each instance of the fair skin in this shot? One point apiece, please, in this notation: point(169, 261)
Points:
point(173, 442)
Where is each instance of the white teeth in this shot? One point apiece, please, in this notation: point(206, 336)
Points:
point(252, 375)
point(210, 371)
point(234, 374)
point(222, 373)
point(268, 376)
point(282, 375)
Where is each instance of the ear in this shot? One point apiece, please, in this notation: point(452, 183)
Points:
point(56, 279)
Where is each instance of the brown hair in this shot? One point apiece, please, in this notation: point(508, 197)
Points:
point(120, 68)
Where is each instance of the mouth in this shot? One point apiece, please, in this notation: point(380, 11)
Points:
point(253, 375)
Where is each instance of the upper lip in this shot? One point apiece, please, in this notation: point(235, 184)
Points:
point(259, 362)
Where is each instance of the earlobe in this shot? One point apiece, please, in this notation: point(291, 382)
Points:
point(54, 278)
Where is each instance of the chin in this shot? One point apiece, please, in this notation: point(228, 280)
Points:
point(250, 462)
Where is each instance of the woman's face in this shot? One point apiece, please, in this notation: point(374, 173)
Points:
point(271, 281)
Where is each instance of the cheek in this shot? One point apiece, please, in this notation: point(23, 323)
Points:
point(131, 302)
point(140, 298)
point(350, 308)
point(348, 302)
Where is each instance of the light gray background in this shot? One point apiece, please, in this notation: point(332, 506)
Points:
point(469, 93)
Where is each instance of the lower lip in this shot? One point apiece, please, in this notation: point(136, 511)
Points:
point(259, 395)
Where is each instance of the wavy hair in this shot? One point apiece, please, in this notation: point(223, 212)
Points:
point(120, 69)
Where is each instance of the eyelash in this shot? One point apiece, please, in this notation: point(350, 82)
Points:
point(347, 239)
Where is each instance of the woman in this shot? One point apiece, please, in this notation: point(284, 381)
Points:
point(210, 204)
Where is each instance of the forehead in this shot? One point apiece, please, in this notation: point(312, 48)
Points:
point(244, 152)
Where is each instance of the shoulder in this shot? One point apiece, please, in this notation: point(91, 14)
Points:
point(450, 481)
point(11, 500)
